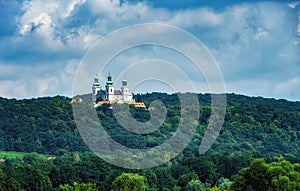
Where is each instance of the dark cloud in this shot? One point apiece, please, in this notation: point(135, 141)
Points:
point(253, 41)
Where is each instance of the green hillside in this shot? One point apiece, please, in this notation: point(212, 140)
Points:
point(11, 155)
point(254, 127)
point(19, 155)
point(44, 125)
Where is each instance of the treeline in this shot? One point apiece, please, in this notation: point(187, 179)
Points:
point(212, 172)
point(254, 128)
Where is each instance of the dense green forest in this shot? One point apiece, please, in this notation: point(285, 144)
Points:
point(258, 147)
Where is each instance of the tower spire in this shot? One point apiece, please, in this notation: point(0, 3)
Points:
point(96, 88)
point(110, 88)
point(109, 79)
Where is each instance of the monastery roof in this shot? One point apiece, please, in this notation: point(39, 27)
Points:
point(117, 92)
point(104, 92)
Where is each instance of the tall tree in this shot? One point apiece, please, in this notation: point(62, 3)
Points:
point(281, 175)
point(129, 182)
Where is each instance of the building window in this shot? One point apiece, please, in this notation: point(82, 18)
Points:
point(110, 90)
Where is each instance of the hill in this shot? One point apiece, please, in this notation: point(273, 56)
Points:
point(254, 127)
point(44, 125)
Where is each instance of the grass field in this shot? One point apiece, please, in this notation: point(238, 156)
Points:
point(14, 155)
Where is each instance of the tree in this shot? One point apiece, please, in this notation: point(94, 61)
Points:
point(151, 178)
point(186, 178)
point(204, 167)
point(28, 178)
point(129, 182)
point(2, 178)
point(11, 185)
point(223, 183)
point(164, 178)
point(215, 188)
point(65, 174)
point(196, 185)
point(281, 175)
point(79, 187)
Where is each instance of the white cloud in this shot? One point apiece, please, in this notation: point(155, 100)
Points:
point(72, 6)
point(288, 88)
point(201, 17)
point(293, 5)
point(13, 88)
point(252, 42)
point(47, 85)
point(37, 80)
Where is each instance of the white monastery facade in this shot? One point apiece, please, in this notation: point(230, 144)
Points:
point(109, 93)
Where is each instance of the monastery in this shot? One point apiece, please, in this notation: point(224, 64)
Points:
point(110, 95)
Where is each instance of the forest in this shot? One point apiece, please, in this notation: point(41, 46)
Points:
point(257, 149)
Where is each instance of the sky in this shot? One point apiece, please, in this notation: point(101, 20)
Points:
point(256, 44)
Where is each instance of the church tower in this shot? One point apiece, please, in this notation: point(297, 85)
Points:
point(127, 96)
point(109, 88)
point(125, 90)
point(95, 89)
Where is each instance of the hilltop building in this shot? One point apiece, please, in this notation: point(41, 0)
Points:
point(110, 95)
